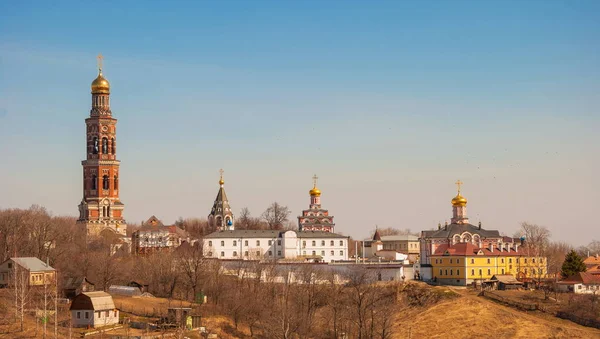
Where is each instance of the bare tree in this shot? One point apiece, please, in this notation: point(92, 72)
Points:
point(19, 281)
point(276, 215)
point(192, 263)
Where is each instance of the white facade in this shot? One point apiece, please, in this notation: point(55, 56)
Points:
point(265, 244)
point(91, 318)
point(93, 309)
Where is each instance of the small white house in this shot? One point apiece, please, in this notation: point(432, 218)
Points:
point(94, 309)
point(581, 283)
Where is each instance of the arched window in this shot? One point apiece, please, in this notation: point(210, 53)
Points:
point(114, 146)
point(116, 183)
point(105, 182)
point(95, 150)
point(94, 182)
point(104, 146)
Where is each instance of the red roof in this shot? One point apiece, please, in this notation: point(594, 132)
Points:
point(582, 278)
point(593, 260)
point(466, 248)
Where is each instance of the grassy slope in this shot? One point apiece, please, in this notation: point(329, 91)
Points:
point(470, 316)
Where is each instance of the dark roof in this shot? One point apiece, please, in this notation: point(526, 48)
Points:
point(75, 283)
point(452, 229)
point(245, 234)
point(318, 234)
point(376, 236)
point(224, 204)
point(466, 248)
point(270, 234)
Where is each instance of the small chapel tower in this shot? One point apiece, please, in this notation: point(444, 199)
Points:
point(315, 218)
point(221, 217)
point(101, 209)
point(459, 207)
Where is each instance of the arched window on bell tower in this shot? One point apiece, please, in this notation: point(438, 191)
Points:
point(105, 183)
point(104, 145)
point(116, 183)
point(95, 145)
point(94, 182)
point(114, 146)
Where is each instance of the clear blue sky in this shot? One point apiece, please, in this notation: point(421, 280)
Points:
point(388, 102)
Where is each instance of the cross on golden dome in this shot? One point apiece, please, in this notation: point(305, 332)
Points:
point(221, 181)
point(315, 191)
point(459, 200)
point(458, 184)
point(100, 59)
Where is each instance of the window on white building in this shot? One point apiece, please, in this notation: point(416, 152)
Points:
point(78, 315)
point(341, 242)
point(257, 242)
point(332, 253)
point(222, 254)
point(342, 253)
point(270, 253)
point(278, 242)
point(303, 243)
point(279, 253)
point(245, 242)
point(314, 253)
point(331, 243)
point(269, 242)
point(210, 243)
point(234, 243)
point(245, 253)
point(314, 243)
point(322, 242)
point(323, 253)
point(222, 243)
point(235, 253)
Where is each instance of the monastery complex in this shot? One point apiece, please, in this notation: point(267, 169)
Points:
point(456, 253)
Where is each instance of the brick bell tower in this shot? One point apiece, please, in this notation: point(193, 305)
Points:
point(100, 209)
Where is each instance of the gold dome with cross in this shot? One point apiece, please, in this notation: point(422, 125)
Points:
point(315, 192)
point(100, 85)
point(459, 200)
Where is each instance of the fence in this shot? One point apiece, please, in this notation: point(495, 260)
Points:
point(148, 312)
point(579, 320)
point(516, 304)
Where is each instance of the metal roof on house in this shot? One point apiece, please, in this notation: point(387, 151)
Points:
point(96, 301)
point(270, 234)
point(33, 264)
point(452, 229)
point(403, 237)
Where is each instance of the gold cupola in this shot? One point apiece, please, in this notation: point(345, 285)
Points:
point(100, 85)
point(459, 200)
point(315, 192)
point(221, 181)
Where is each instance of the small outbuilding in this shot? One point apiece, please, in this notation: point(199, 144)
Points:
point(505, 282)
point(143, 286)
point(77, 285)
point(94, 309)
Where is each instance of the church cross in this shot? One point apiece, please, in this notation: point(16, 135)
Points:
point(100, 59)
point(221, 172)
point(458, 183)
point(315, 177)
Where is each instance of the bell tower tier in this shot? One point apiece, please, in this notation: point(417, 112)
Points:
point(315, 218)
point(101, 209)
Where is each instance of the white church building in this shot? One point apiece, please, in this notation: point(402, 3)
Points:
point(276, 245)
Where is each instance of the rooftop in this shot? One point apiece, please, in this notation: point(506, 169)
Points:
point(33, 264)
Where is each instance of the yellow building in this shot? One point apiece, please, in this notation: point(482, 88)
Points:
point(465, 263)
point(33, 269)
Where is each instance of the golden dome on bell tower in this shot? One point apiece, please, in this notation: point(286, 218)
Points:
point(459, 200)
point(315, 192)
point(100, 85)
